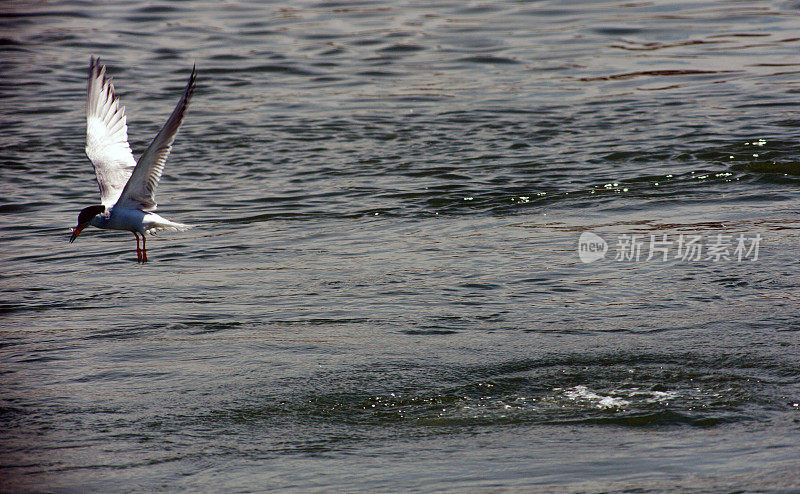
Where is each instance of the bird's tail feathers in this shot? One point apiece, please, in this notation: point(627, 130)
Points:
point(166, 225)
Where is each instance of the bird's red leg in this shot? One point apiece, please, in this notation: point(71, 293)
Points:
point(144, 248)
point(138, 250)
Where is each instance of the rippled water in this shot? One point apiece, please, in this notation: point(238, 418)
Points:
point(383, 290)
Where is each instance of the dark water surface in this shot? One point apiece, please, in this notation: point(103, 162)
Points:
point(383, 290)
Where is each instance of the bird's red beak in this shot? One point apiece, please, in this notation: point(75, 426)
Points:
point(77, 231)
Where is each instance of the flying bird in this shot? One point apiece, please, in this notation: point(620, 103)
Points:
point(127, 187)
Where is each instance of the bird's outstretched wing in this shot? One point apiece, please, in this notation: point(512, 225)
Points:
point(140, 190)
point(107, 135)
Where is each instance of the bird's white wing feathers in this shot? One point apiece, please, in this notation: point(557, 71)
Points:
point(140, 190)
point(107, 136)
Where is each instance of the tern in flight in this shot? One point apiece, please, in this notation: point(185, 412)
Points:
point(127, 187)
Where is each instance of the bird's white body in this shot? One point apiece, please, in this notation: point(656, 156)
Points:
point(136, 220)
point(127, 186)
